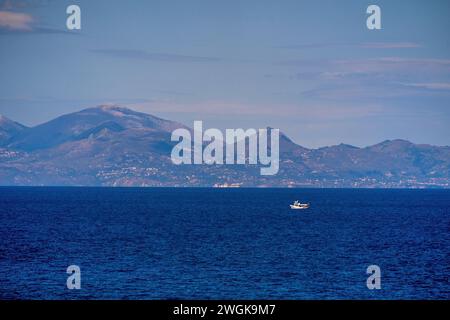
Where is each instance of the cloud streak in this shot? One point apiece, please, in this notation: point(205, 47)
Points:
point(389, 45)
point(21, 4)
point(16, 21)
point(19, 23)
point(375, 78)
point(430, 86)
point(151, 56)
point(307, 111)
point(363, 45)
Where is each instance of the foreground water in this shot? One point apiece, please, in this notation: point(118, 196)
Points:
point(223, 243)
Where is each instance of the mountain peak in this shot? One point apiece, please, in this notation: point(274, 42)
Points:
point(347, 146)
point(114, 107)
point(118, 111)
point(392, 145)
point(9, 129)
point(80, 125)
point(109, 108)
point(4, 121)
point(395, 141)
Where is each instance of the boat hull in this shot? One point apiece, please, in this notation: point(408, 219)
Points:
point(298, 207)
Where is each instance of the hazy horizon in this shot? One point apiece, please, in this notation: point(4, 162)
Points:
point(190, 126)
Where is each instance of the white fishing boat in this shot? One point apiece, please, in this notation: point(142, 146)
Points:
point(298, 205)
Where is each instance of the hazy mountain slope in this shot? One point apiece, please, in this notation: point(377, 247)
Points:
point(114, 146)
point(9, 129)
point(80, 125)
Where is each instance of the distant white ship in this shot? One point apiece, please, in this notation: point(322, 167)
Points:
point(227, 185)
point(298, 205)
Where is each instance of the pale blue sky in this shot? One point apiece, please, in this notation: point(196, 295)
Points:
point(310, 68)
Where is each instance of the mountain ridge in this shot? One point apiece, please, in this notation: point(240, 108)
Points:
point(117, 146)
point(8, 129)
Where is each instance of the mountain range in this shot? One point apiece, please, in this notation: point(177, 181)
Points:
point(116, 146)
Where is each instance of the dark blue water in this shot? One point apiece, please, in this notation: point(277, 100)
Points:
point(223, 243)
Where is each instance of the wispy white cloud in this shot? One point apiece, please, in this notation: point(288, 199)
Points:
point(389, 45)
point(16, 21)
point(385, 64)
point(302, 111)
point(430, 86)
point(22, 4)
point(151, 56)
point(387, 77)
point(363, 45)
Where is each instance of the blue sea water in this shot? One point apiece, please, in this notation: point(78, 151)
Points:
point(150, 243)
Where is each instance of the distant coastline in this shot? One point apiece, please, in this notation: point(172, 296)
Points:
point(116, 146)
